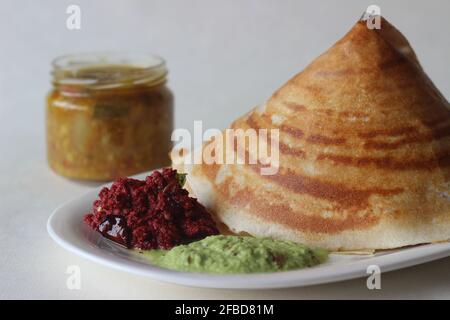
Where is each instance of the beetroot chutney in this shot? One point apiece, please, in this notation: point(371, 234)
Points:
point(151, 214)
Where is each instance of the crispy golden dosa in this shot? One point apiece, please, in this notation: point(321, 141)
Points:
point(364, 153)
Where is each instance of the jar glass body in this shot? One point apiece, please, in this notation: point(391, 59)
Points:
point(103, 134)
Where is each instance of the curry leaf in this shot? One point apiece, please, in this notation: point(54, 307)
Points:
point(181, 177)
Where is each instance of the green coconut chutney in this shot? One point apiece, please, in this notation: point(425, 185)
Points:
point(237, 254)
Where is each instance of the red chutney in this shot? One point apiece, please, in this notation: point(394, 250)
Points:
point(151, 214)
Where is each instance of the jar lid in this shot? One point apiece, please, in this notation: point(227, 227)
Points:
point(106, 70)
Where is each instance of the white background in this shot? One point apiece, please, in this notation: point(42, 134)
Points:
point(224, 57)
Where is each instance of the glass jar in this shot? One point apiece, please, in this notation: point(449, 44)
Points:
point(109, 115)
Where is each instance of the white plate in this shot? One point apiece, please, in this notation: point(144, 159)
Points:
point(66, 227)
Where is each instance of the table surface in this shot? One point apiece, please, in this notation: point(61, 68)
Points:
point(220, 58)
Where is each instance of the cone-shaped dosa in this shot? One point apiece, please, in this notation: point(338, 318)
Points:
point(364, 153)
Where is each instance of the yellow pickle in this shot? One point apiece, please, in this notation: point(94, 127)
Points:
point(108, 116)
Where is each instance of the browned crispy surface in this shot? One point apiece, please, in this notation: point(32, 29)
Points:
point(364, 152)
